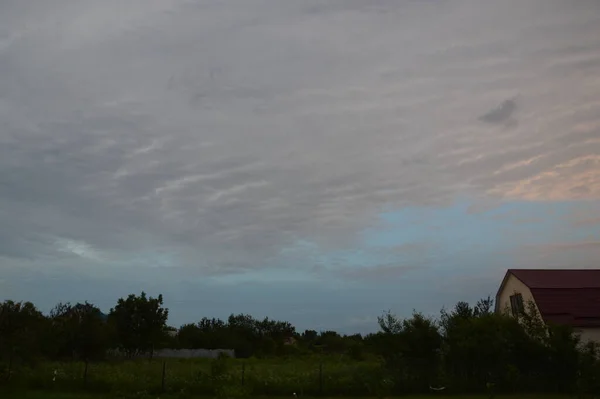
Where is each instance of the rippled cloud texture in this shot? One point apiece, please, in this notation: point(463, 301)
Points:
point(315, 160)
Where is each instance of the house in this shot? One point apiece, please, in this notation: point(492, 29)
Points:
point(561, 296)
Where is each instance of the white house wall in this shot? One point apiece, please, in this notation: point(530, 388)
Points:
point(511, 286)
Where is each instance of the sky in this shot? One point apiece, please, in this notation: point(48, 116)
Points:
point(313, 161)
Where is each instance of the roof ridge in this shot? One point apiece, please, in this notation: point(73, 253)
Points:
point(558, 270)
point(590, 287)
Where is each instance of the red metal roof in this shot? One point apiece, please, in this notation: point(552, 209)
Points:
point(558, 278)
point(565, 296)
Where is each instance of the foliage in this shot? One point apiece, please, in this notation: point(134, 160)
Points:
point(468, 349)
point(140, 323)
point(410, 348)
point(21, 331)
point(80, 331)
point(246, 335)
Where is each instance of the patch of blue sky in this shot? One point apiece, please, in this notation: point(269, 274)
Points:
point(447, 240)
point(449, 229)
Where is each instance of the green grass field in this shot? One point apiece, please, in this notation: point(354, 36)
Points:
point(256, 377)
point(272, 378)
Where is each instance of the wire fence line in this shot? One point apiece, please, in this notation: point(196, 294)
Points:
point(180, 375)
point(237, 375)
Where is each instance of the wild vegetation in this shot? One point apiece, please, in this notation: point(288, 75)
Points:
point(468, 349)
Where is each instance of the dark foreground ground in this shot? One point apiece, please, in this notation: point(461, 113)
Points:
point(55, 395)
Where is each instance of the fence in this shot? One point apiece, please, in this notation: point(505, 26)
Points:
point(203, 377)
point(230, 378)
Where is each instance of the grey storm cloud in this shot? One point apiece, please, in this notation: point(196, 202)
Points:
point(501, 113)
point(207, 136)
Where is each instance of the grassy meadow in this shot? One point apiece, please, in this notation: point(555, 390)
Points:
point(330, 376)
point(51, 395)
point(205, 377)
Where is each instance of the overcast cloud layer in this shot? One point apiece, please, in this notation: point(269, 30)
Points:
point(179, 145)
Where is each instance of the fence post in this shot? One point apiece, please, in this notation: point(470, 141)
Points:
point(321, 377)
point(85, 373)
point(243, 372)
point(164, 372)
point(10, 364)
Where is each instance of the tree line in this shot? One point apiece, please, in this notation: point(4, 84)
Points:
point(466, 348)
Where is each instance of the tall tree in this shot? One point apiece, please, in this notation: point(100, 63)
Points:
point(140, 323)
point(22, 329)
point(484, 306)
point(411, 348)
point(80, 331)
